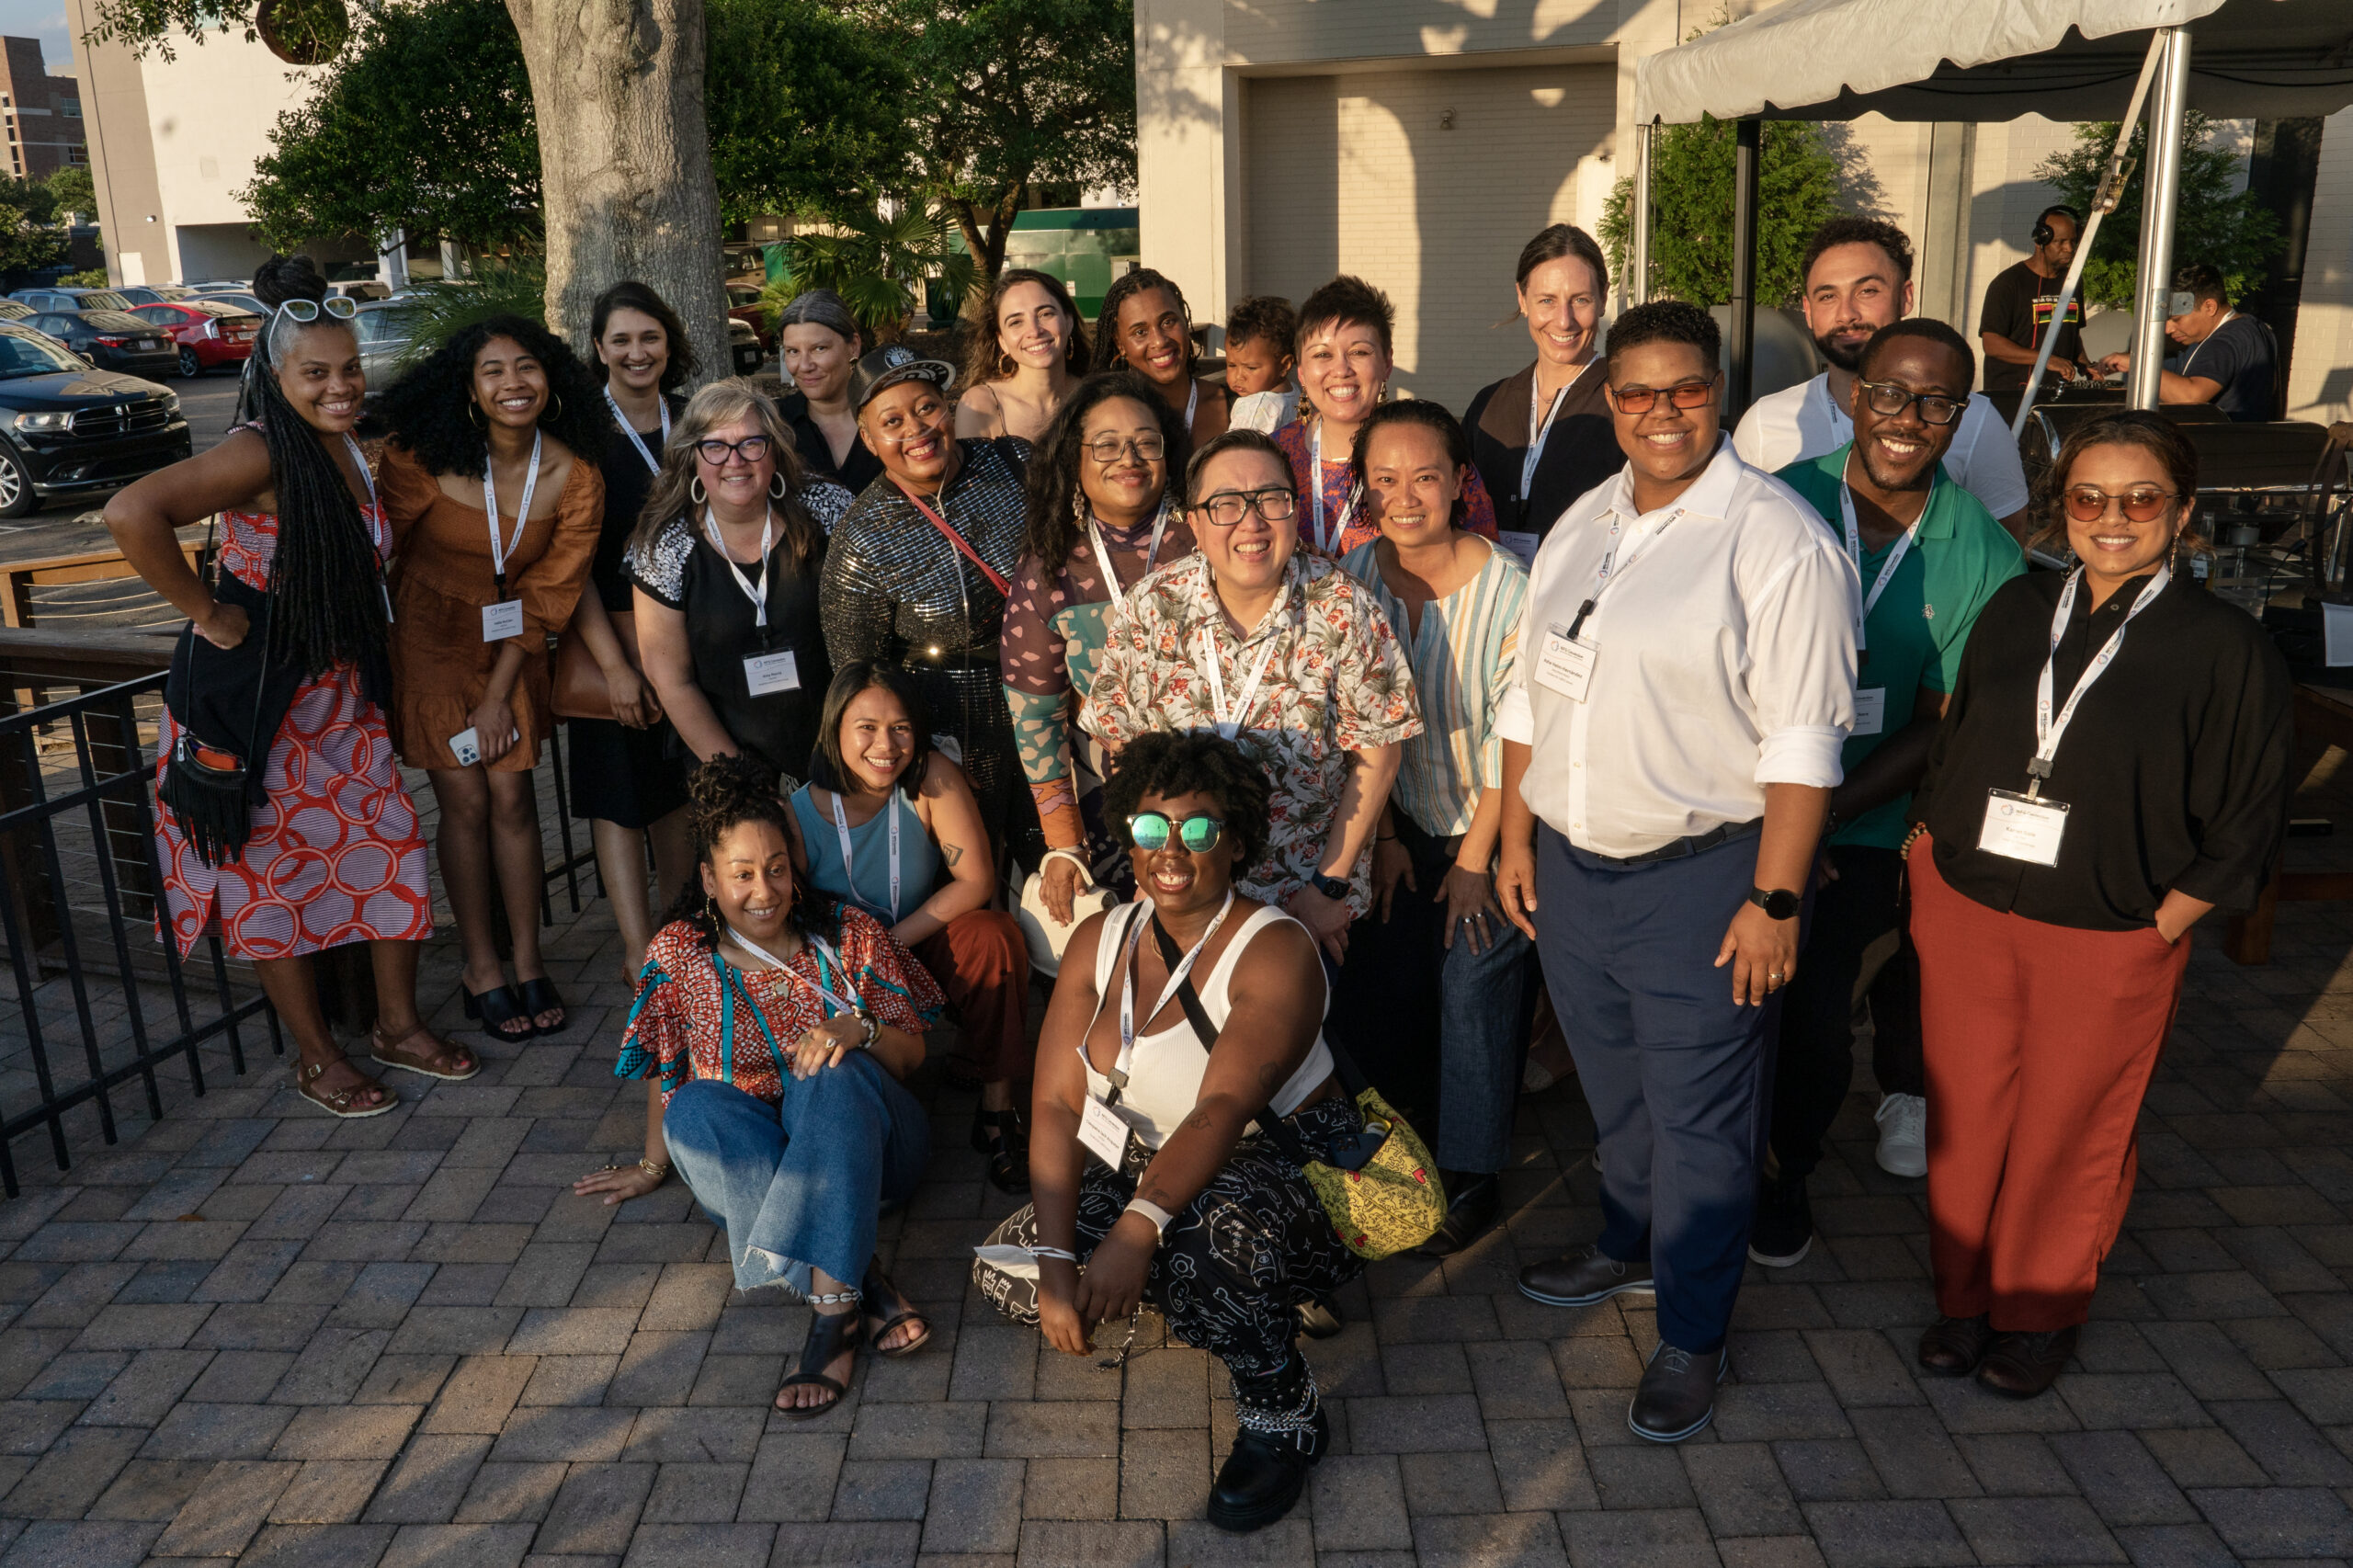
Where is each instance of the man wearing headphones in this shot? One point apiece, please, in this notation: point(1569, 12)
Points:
point(2019, 303)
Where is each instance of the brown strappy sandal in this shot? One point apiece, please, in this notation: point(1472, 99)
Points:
point(338, 1103)
point(390, 1054)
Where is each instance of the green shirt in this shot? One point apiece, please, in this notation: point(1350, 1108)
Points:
point(1913, 636)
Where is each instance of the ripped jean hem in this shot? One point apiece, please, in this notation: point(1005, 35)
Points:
point(757, 1268)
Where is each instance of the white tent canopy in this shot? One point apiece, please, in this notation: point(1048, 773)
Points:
point(1994, 60)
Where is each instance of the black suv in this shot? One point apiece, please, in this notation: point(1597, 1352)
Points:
point(112, 340)
point(66, 430)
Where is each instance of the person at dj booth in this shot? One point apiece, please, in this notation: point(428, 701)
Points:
point(2020, 303)
point(2225, 358)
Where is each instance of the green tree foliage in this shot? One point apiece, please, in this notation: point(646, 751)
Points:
point(73, 190)
point(1691, 205)
point(424, 123)
point(875, 263)
point(2229, 230)
point(28, 239)
point(807, 109)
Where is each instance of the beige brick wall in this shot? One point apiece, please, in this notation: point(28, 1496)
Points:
point(1358, 174)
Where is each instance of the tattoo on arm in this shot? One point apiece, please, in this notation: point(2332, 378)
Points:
point(1198, 1121)
point(1159, 1196)
point(951, 852)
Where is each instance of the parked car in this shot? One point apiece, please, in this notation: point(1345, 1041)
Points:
point(744, 304)
point(361, 288)
point(72, 298)
point(152, 294)
point(13, 310)
point(244, 299)
point(382, 328)
point(111, 340)
point(743, 347)
point(66, 430)
point(209, 333)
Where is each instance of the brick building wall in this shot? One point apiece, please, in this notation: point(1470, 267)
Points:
point(43, 114)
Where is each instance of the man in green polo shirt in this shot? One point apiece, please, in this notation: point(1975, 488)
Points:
point(1928, 556)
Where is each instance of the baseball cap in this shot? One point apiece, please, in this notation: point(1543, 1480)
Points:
point(889, 367)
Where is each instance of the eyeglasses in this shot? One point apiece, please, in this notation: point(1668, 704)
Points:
point(1106, 448)
point(1148, 831)
point(2087, 504)
point(714, 451)
point(1226, 508)
point(336, 305)
point(1889, 401)
point(1682, 395)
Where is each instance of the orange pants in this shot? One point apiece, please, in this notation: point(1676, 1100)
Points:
point(982, 963)
point(2040, 1041)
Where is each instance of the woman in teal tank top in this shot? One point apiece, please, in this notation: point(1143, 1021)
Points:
point(875, 779)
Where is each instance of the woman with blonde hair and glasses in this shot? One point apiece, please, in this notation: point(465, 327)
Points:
point(1018, 376)
point(724, 566)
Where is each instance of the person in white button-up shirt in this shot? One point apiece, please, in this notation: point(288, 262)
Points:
point(1686, 680)
point(1858, 275)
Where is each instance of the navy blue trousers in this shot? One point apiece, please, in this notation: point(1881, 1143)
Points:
point(1678, 1077)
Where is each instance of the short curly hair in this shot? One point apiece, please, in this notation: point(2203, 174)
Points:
point(1199, 762)
point(431, 408)
point(1664, 320)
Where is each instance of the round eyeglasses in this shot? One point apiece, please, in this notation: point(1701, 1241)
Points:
point(1148, 830)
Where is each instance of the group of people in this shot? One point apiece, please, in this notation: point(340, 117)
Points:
point(1377, 722)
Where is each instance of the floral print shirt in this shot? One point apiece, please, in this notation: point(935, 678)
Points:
point(1336, 681)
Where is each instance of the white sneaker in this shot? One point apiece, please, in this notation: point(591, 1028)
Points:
point(1903, 1135)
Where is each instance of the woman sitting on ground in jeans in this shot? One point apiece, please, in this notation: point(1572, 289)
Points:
point(774, 1026)
point(1218, 1230)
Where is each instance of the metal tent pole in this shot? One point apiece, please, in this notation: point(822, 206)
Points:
point(2160, 196)
point(1747, 145)
point(1637, 283)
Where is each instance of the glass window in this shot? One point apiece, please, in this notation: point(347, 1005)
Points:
point(70, 108)
point(21, 355)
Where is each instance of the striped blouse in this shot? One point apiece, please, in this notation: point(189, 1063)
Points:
point(1462, 662)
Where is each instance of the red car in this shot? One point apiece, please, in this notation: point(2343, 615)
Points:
point(744, 304)
point(207, 333)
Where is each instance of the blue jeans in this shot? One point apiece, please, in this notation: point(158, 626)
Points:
point(802, 1183)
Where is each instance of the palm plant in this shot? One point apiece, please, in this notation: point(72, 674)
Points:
point(875, 263)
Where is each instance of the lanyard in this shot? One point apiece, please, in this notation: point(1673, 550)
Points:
point(1192, 401)
point(759, 595)
point(630, 430)
point(1855, 552)
point(2048, 732)
point(841, 831)
point(1103, 559)
point(1537, 434)
point(2228, 317)
point(824, 952)
point(1145, 914)
point(1231, 723)
point(1612, 569)
point(1315, 495)
point(359, 462)
point(498, 551)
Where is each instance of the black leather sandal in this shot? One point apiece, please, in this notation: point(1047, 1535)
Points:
point(1000, 1135)
point(540, 996)
point(495, 1010)
point(892, 1308)
point(830, 1333)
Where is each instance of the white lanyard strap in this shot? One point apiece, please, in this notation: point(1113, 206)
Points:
point(841, 832)
point(1143, 915)
point(1103, 557)
point(2228, 316)
point(1611, 568)
point(1855, 552)
point(758, 596)
point(1315, 495)
point(823, 949)
point(1192, 401)
point(1539, 433)
point(499, 550)
point(630, 430)
point(1240, 713)
point(359, 462)
point(2048, 732)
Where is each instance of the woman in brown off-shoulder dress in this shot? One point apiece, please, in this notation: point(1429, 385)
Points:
point(493, 422)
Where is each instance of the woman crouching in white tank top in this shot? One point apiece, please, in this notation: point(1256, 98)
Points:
point(1144, 1161)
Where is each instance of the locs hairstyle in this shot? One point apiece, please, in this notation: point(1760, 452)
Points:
point(324, 606)
point(1126, 287)
point(1052, 486)
point(431, 408)
point(631, 295)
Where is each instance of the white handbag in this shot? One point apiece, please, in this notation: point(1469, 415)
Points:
point(1047, 936)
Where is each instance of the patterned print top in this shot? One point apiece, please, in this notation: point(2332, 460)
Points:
point(1462, 659)
point(687, 1021)
point(1297, 440)
point(1336, 682)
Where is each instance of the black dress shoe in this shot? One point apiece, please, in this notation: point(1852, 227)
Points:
point(1783, 1231)
point(1582, 1279)
point(1472, 1198)
point(1951, 1347)
point(2024, 1365)
point(1263, 1477)
point(1678, 1394)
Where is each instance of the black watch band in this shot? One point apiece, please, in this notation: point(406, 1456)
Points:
point(1778, 904)
point(1332, 887)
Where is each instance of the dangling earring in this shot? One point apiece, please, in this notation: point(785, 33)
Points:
point(695, 490)
point(1079, 507)
point(557, 398)
point(474, 412)
point(778, 490)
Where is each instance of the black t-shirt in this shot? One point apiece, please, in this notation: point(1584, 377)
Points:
point(628, 481)
point(2018, 306)
point(2238, 354)
point(1580, 452)
point(858, 470)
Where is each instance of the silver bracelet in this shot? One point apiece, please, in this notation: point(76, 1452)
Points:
point(1067, 1257)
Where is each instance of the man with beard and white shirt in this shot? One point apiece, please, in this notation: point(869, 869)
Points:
point(1928, 556)
point(1858, 276)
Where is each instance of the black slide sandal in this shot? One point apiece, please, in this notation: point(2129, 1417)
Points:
point(540, 996)
point(895, 1309)
point(497, 1006)
point(830, 1333)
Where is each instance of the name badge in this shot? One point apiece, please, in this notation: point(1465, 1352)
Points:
point(1521, 545)
point(466, 744)
point(1565, 666)
point(502, 620)
point(766, 673)
point(1870, 710)
point(2019, 829)
point(1105, 1135)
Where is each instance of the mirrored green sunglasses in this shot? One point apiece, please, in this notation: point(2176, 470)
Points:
point(1148, 831)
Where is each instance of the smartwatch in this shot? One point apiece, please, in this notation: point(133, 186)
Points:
point(1331, 887)
point(1778, 904)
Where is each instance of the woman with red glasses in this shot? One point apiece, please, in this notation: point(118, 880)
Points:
point(2113, 765)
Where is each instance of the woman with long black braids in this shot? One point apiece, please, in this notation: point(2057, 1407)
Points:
point(500, 422)
point(284, 820)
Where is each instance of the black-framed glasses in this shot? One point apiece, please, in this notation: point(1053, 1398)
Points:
point(1226, 508)
point(1682, 395)
point(2142, 504)
point(715, 452)
point(1148, 830)
point(1889, 401)
point(336, 305)
point(1106, 448)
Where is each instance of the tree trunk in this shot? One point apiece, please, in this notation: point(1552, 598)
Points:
point(625, 161)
